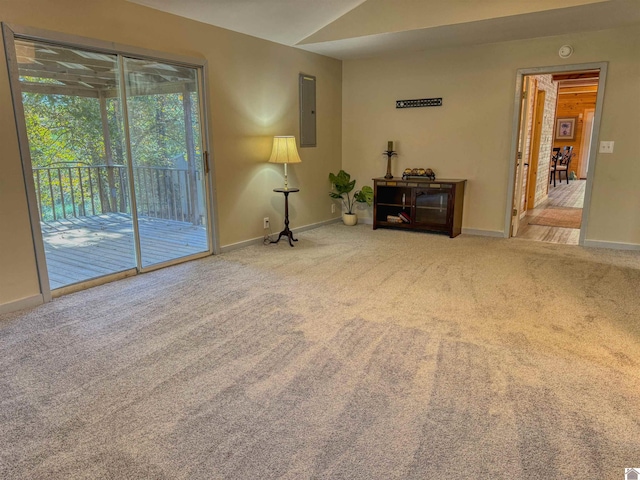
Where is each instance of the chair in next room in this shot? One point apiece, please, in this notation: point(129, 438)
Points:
point(555, 157)
point(562, 164)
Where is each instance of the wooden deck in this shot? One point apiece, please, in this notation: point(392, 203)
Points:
point(78, 249)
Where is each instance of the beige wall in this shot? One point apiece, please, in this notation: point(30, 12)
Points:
point(252, 95)
point(470, 135)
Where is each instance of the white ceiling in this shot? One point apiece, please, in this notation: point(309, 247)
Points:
point(290, 22)
point(281, 21)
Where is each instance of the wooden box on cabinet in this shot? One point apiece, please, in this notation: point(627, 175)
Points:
point(432, 205)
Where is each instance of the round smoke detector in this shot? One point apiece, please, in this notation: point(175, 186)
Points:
point(565, 51)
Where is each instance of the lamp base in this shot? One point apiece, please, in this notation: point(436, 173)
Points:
point(287, 234)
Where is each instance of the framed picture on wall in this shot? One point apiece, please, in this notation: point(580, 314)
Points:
point(566, 128)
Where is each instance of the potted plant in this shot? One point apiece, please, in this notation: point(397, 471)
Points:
point(342, 188)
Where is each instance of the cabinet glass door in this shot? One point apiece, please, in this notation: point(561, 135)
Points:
point(431, 206)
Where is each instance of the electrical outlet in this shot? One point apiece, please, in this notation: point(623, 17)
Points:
point(266, 222)
point(333, 208)
point(606, 147)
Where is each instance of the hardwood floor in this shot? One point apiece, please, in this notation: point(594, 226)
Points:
point(563, 195)
point(571, 195)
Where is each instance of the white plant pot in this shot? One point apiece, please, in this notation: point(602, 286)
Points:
point(349, 219)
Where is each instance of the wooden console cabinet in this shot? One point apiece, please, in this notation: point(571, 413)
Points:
point(432, 205)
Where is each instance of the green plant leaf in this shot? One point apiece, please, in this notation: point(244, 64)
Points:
point(343, 177)
point(342, 182)
point(365, 195)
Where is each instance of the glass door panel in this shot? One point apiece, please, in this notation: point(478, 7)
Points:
point(432, 206)
point(163, 107)
point(78, 160)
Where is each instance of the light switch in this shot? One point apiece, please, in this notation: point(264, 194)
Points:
point(606, 147)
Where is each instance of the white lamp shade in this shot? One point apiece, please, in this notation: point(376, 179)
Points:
point(284, 150)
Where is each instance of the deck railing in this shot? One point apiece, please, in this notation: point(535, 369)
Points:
point(85, 190)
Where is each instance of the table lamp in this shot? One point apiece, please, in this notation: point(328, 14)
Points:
point(284, 151)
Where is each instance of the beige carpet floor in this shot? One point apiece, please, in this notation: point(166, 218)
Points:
point(357, 354)
point(558, 217)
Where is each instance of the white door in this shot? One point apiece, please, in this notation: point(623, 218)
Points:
point(521, 167)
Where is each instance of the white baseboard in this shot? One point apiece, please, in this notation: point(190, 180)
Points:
point(259, 240)
point(28, 302)
point(483, 233)
point(244, 243)
point(316, 225)
point(612, 245)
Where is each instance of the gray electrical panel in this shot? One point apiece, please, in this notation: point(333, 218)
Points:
point(307, 110)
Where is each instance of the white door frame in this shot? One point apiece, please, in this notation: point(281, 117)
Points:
point(602, 66)
point(10, 32)
point(585, 146)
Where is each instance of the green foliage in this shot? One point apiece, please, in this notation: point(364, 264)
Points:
point(66, 128)
point(63, 128)
point(157, 129)
point(66, 139)
point(342, 183)
point(365, 195)
point(342, 188)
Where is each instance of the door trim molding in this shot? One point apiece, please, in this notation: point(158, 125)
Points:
point(9, 35)
point(520, 73)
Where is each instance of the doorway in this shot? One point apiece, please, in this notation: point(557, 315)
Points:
point(114, 160)
point(553, 146)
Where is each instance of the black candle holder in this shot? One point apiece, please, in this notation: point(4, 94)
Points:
point(389, 154)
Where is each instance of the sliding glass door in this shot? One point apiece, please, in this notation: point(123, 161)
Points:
point(166, 153)
point(79, 165)
point(116, 159)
